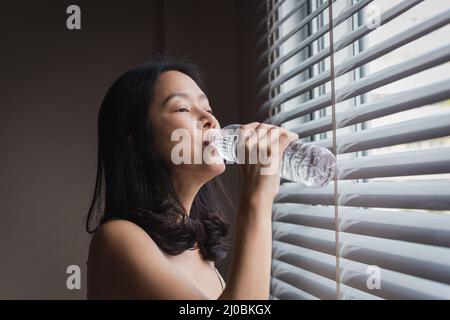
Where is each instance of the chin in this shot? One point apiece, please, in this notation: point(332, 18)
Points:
point(214, 170)
point(221, 167)
point(203, 171)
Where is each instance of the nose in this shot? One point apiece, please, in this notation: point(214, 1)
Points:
point(208, 121)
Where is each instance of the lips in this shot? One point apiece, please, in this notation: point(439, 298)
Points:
point(209, 135)
point(212, 150)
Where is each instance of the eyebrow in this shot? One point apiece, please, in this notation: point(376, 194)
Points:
point(182, 95)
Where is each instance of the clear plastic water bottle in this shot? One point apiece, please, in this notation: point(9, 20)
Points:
point(307, 163)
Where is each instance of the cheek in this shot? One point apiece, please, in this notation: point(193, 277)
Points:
point(185, 134)
point(162, 145)
point(165, 148)
point(182, 146)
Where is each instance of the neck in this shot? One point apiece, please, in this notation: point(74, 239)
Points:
point(186, 187)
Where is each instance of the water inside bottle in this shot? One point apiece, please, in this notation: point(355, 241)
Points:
point(225, 145)
point(225, 141)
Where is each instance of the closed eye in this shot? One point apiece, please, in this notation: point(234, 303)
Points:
point(183, 110)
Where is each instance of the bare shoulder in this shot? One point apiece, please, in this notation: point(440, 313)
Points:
point(124, 262)
point(120, 233)
point(118, 242)
point(117, 248)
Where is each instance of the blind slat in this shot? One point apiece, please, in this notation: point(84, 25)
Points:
point(314, 284)
point(419, 162)
point(277, 24)
point(431, 195)
point(344, 15)
point(394, 73)
point(285, 291)
point(391, 104)
point(370, 54)
point(418, 260)
point(264, 22)
point(355, 35)
point(423, 228)
point(298, 27)
point(398, 133)
point(393, 285)
point(342, 229)
point(309, 282)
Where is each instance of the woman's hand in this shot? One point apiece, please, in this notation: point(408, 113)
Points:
point(264, 145)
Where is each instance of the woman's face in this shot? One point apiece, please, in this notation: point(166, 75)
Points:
point(180, 115)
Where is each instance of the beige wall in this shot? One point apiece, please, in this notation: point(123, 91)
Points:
point(52, 83)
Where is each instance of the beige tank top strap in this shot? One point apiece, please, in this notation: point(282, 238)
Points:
point(218, 275)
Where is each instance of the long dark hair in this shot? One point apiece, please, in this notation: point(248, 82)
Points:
point(133, 184)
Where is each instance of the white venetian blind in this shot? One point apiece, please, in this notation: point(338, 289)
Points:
point(375, 90)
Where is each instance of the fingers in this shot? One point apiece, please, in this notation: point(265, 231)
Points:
point(247, 140)
point(247, 146)
point(258, 140)
point(286, 137)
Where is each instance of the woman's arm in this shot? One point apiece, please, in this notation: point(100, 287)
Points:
point(249, 275)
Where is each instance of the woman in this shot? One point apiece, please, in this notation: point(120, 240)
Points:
point(160, 229)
